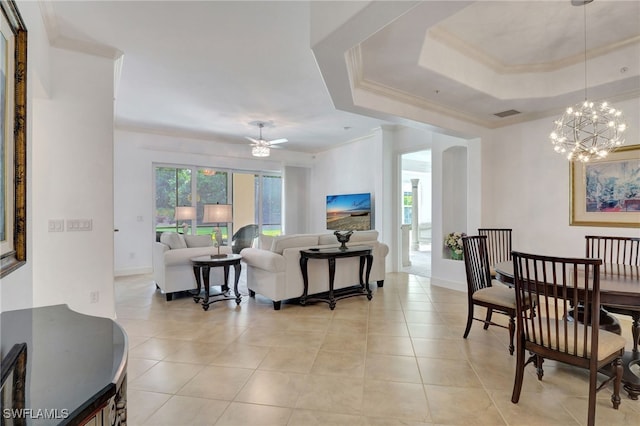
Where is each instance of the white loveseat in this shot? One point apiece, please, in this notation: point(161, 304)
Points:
point(274, 271)
point(172, 270)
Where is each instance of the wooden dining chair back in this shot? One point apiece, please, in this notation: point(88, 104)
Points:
point(483, 291)
point(618, 251)
point(553, 331)
point(498, 245)
point(614, 250)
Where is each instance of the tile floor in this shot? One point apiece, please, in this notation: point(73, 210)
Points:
point(398, 359)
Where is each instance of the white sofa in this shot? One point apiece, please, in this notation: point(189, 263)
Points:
point(274, 271)
point(172, 269)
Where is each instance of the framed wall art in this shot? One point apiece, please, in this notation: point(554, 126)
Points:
point(13, 138)
point(607, 192)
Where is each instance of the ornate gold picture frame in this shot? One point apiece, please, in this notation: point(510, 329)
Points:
point(607, 192)
point(13, 139)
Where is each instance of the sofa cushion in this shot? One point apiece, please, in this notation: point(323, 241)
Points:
point(198, 240)
point(173, 240)
point(295, 240)
point(357, 236)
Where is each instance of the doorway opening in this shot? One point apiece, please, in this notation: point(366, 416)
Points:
point(416, 192)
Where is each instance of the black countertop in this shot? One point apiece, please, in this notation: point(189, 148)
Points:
point(72, 360)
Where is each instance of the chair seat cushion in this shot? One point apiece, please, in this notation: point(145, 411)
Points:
point(498, 294)
point(608, 343)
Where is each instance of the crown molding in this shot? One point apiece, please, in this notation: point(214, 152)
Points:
point(57, 39)
point(475, 52)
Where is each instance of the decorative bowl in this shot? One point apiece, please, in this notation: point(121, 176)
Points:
point(343, 238)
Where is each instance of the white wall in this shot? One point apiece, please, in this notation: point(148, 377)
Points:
point(526, 187)
point(297, 193)
point(354, 167)
point(135, 155)
point(73, 179)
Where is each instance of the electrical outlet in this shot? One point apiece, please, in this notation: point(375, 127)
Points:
point(94, 296)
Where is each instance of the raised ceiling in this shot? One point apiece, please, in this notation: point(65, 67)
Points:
point(208, 69)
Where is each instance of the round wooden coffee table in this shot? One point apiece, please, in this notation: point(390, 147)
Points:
point(201, 267)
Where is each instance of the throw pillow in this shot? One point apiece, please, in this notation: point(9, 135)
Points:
point(198, 240)
point(173, 240)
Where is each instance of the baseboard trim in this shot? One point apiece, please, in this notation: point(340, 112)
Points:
point(451, 285)
point(132, 271)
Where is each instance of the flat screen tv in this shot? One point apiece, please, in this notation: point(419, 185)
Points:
point(349, 212)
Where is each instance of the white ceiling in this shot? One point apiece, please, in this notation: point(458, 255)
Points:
point(211, 68)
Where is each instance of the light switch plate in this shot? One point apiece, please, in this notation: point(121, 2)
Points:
point(79, 224)
point(56, 225)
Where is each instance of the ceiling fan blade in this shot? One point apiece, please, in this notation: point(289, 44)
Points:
point(255, 141)
point(275, 141)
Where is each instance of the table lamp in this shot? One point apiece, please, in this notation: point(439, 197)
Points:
point(185, 213)
point(218, 213)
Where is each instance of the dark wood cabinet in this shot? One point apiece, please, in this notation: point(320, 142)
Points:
point(76, 368)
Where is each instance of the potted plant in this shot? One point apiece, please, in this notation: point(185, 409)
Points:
point(453, 241)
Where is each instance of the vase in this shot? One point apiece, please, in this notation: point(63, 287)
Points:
point(455, 256)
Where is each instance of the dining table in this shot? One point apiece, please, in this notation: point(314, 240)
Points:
point(620, 286)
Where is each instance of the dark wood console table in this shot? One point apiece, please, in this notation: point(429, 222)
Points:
point(202, 266)
point(331, 254)
point(75, 372)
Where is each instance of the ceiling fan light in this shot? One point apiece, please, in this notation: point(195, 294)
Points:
point(260, 151)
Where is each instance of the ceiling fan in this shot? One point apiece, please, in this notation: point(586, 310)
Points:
point(262, 147)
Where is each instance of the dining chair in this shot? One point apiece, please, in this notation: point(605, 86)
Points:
point(620, 251)
point(498, 245)
point(551, 332)
point(483, 291)
point(243, 238)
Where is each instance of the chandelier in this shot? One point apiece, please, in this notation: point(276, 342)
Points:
point(588, 130)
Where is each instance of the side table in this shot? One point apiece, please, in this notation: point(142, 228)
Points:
point(331, 254)
point(201, 268)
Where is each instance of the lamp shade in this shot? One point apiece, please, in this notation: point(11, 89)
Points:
point(217, 213)
point(185, 213)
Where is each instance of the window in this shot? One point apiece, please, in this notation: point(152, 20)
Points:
point(185, 186)
point(407, 203)
point(212, 188)
point(173, 188)
point(269, 189)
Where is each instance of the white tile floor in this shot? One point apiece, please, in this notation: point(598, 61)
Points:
point(398, 359)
